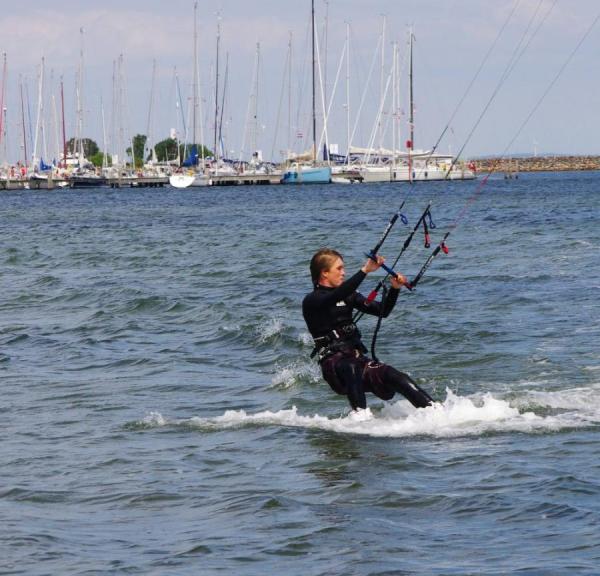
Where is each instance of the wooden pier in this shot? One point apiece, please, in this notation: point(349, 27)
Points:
point(138, 182)
point(54, 183)
point(247, 179)
point(32, 184)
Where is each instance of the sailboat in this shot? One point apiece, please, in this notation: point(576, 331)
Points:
point(83, 173)
point(194, 176)
point(312, 173)
point(423, 165)
point(374, 162)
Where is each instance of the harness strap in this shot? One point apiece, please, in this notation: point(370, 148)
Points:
point(341, 335)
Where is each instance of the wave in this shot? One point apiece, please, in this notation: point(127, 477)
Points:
point(266, 331)
point(296, 373)
point(475, 415)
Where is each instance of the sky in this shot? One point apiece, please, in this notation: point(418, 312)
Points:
point(488, 75)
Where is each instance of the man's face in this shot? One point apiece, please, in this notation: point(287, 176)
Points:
point(334, 276)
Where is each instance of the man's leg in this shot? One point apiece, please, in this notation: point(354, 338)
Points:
point(349, 371)
point(378, 374)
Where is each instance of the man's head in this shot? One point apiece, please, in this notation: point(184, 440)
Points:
point(327, 268)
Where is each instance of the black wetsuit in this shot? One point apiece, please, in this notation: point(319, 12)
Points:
point(346, 368)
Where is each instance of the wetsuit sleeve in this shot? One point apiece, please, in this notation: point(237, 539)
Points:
point(343, 291)
point(374, 307)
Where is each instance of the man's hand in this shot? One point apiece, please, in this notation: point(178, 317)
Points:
point(398, 281)
point(372, 265)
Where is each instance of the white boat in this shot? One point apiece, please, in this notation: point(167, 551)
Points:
point(376, 173)
point(427, 167)
point(189, 180)
point(462, 172)
point(344, 174)
point(196, 175)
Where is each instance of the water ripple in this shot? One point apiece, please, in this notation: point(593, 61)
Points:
point(161, 412)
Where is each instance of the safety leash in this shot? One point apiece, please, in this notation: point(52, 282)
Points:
point(378, 326)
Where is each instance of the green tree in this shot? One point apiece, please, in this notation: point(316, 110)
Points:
point(139, 145)
point(166, 150)
point(90, 148)
point(98, 159)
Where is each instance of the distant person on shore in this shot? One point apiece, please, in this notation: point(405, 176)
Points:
point(328, 311)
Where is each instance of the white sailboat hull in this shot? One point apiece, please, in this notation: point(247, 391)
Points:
point(431, 173)
point(376, 173)
point(189, 180)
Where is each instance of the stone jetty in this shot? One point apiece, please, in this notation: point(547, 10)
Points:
point(538, 164)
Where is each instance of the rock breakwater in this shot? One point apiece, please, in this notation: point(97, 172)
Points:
point(538, 164)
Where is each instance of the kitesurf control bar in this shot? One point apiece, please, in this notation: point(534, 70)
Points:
point(386, 268)
point(389, 270)
point(373, 294)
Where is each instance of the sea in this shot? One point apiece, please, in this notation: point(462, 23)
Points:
point(160, 412)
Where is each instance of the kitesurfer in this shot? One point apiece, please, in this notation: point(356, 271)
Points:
point(342, 356)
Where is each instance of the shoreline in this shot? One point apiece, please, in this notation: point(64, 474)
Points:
point(538, 164)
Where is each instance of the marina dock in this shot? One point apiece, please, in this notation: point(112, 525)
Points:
point(138, 182)
point(244, 179)
point(53, 183)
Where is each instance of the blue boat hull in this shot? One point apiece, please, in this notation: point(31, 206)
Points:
point(308, 175)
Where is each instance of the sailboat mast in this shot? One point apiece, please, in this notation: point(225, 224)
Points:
point(289, 134)
point(411, 118)
point(105, 142)
point(64, 133)
point(217, 89)
point(348, 93)
point(195, 83)
point(394, 108)
point(40, 114)
point(382, 81)
point(323, 80)
point(23, 123)
point(79, 136)
point(3, 112)
point(412, 106)
point(4, 134)
point(314, 98)
point(2, 125)
point(180, 113)
point(255, 112)
point(122, 152)
point(225, 81)
point(149, 145)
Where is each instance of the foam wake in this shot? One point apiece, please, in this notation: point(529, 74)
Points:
point(456, 416)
